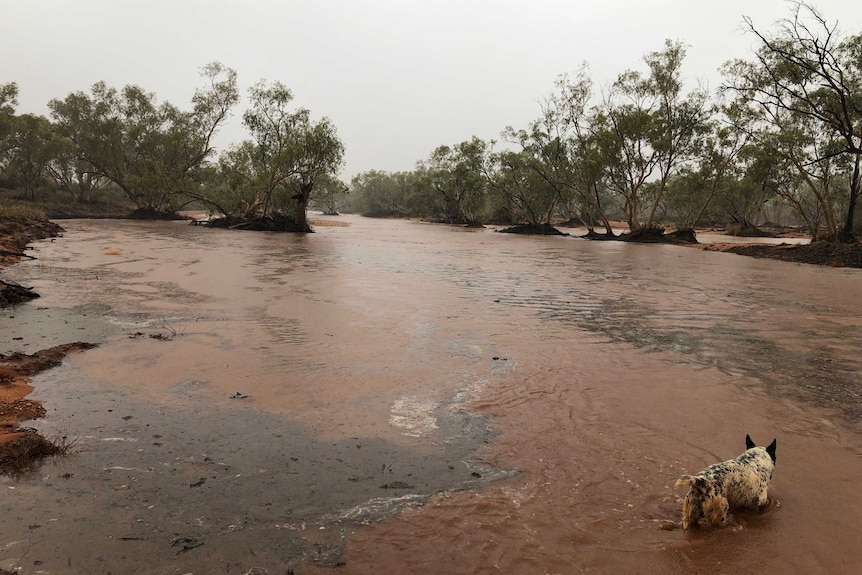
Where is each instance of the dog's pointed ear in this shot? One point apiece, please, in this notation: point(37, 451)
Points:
point(770, 449)
point(748, 443)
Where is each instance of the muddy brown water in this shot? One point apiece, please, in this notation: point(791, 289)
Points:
point(400, 397)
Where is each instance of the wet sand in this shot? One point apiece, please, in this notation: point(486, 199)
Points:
point(16, 370)
point(549, 391)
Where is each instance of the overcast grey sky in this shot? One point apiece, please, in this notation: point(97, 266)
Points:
point(397, 77)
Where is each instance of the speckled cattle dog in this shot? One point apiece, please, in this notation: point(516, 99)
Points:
point(740, 482)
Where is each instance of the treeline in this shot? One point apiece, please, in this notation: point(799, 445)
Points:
point(162, 157)
point(780, 140)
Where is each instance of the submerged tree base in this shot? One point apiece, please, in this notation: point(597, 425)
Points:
point(275, 223)
point(747, 231)
point(684, 235)
point(594, 235)
point(535, 229)
point(151, 214)
point(656, 234)
point(12, 293)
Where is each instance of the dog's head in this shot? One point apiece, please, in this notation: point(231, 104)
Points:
point(770, 449)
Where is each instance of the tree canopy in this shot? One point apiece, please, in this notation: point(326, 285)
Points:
point(276, 171)
point(800, 99)
point(152, 151)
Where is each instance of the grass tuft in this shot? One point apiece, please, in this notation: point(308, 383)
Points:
point(21, 212)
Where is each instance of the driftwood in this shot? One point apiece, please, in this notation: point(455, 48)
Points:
point(12, 293)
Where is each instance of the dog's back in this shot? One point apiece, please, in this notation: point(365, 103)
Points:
point(740, 482)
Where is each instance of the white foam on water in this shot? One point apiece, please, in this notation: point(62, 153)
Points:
point(414, 415)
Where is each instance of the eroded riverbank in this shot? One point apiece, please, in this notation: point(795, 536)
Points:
point(585, 377)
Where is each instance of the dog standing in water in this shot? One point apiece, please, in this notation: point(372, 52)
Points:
point(740, 482)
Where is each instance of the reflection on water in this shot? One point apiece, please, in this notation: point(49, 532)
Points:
point(607, 370)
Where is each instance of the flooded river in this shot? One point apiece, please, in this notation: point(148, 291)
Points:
point(399, 397)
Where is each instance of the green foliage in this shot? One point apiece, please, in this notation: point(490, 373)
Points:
point(329, 196)
point(152, 151)
point(703, 192)
point(519, 193)
point(269, 159)
point(73, 174)
point(800, 101)
point(231, 186)
point(456, 178)
point(159, 155)
point(645, 130)
point(317, 153)
point(8, 101)
point(277, 170)
point(382, 194)
point(32, 145)
point(561, 147)
point(8, 98)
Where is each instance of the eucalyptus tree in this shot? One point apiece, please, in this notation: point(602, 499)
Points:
point(815, 189)
point(8, 98)
point(645, 130)
point(421, 199)
point(374, 193)
point(152, 151)
point(330, 195)
point(318, 154)
point(32, 145)
point(560, 147)
point(456, 176)
point(8, 101)
point(268, 160)
point(754, 181)
point(704, 189)
point(276, 169)
point(544, 163)
point(519, 192)
point(793, 156)
point(71, 173)
point(377, 193)
point(805, 85)
point(230, 185)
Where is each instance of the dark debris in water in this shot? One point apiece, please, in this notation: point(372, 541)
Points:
point(397, 485)
point(186, 543)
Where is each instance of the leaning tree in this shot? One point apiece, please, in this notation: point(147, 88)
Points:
point(806, 80)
